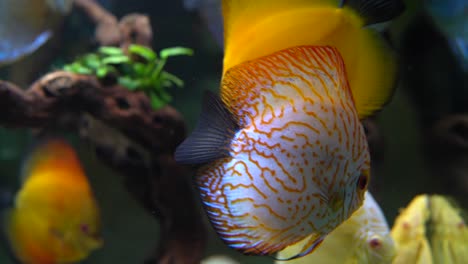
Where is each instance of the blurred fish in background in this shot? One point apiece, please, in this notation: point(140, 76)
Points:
point(55, 218)
point(409, 233)
point(25, 25)
point(451, 18)
point(448, 231)
point(211, 14)
point(429, 230)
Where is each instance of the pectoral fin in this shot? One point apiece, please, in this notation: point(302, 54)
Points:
point(211, 138)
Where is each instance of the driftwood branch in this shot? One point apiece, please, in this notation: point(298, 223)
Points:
point(132, 28)
point(128, 135)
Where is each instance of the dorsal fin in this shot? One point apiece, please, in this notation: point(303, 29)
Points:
point(212, 134)
point(376, 11)
point(312, 242)
point(258, 28)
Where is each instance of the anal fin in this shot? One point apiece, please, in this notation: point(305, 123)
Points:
point(307, 245)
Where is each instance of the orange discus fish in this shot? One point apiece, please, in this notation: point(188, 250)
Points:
point(55, 218)
point(284, 154)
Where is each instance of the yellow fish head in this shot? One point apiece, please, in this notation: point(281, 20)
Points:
point(84, 236)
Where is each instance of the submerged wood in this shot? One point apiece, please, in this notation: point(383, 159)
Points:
point(127, 134)
point(132, 28)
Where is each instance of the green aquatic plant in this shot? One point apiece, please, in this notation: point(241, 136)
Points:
point(140, 68)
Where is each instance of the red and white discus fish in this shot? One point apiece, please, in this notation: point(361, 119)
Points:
point(284, 154)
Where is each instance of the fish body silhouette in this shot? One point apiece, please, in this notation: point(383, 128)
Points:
point(55, 218)
point(25, 25)
point(284, 155)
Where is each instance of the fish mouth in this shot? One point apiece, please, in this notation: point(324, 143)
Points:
point(92, 241)
point(86, 244)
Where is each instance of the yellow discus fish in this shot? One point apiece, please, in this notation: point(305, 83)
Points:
point(284, 154)
point(409, 233)
point(362, 239)
point(55, 218)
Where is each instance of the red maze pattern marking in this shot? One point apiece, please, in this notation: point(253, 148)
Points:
point(300, 147)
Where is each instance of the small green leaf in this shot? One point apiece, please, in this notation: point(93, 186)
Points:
point(166, 97)
point(139, 68)
point(166, 83)
point(143, 51)
point(156, 102)
point(115, 60)
point(91, 61)
point(129, 83)
point(174, 79)
point(175, 51)
point(102, 72)
point(83, 70)
point(76, 67)
point(67, 68)
point(111, 51)
point(147, 84)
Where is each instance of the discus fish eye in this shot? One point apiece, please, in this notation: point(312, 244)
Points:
point(362, 181)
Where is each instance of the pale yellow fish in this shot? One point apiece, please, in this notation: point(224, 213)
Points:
point(409, 233)
point(448, 232)
point(431, 230)
point(364, 238)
